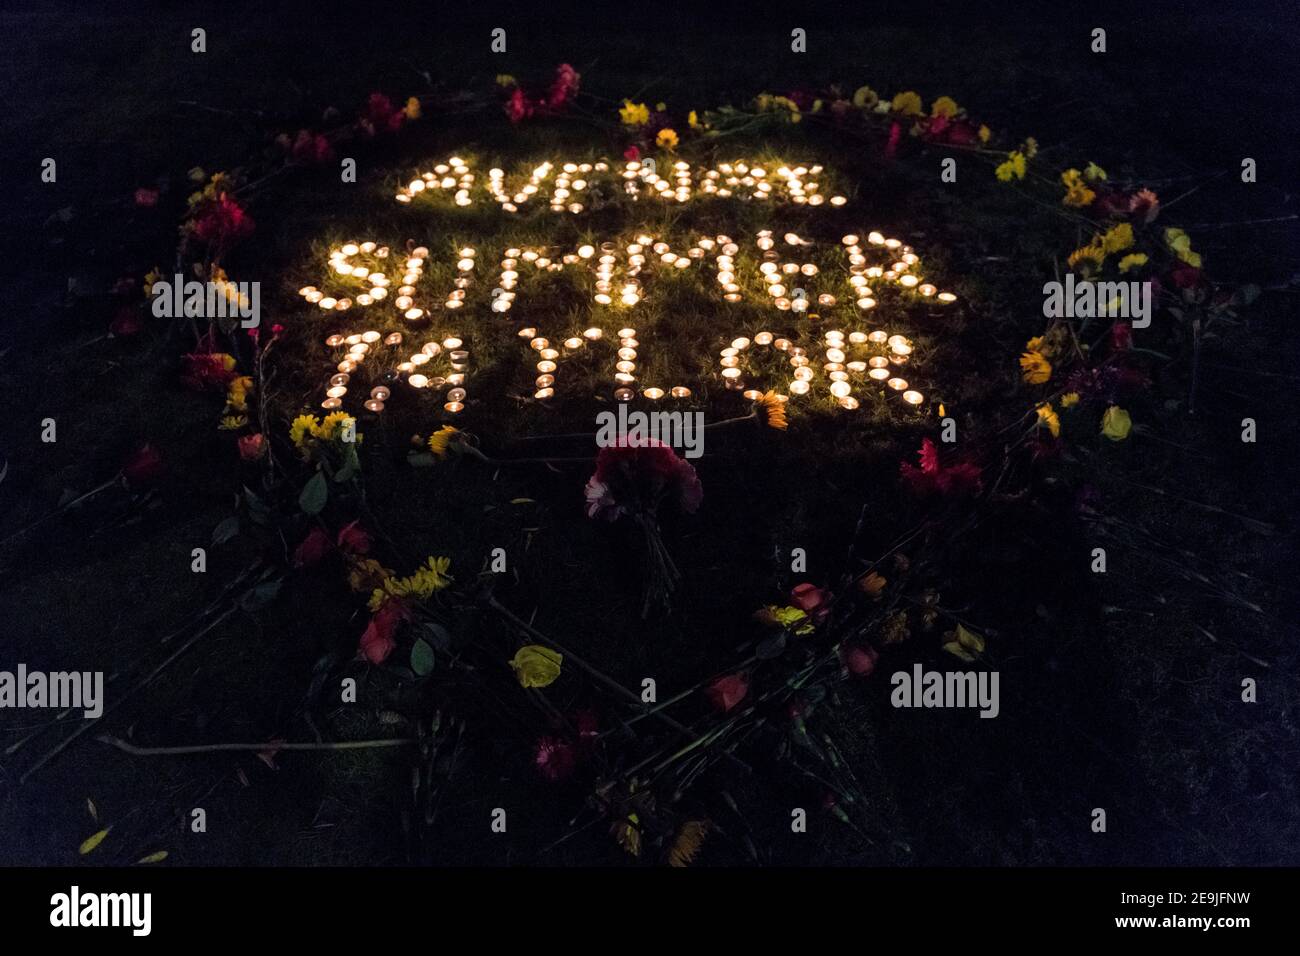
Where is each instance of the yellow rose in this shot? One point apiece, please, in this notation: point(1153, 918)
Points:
point(1116, 424)
point(536, 666)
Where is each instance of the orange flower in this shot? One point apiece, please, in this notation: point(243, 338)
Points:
point(773, 410)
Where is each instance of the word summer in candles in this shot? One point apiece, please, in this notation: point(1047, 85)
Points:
point(782, 301)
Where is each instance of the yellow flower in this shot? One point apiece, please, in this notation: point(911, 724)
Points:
point(1181, 243)
point(1091, 254)
point(303, 428)
point(667, 139)
point(1069, 399)
point(661, 107)
point(789, 618)
point(864, 97)
point(985, 133)
point(1118, 238)
point(963, 643)
point(692, 120)
point(367, 574)
point(634, 114)
point(1014, 167)
point(536, 666)
point(332, 426)
point(1132, 261)
point(944, 106)
point(1035, 368)
point(1031, 147)
point(196, 174)
point(687, 845)
point(506, 80)
point(412, 109)
point(628, 834)
point(440, 439)
point(154, 275)
point(772, 409)
point(1094, 173)
point(1038, 344)
point(873, 585)
point(431, 577)
point(908, 103)
point(1076, 193)
point(1047, 416)
point(1116, 423)
point(232, 423)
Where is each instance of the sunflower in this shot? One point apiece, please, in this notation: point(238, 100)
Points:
point(440, 440)
point(1035, 368)
point(303, 428)
point(772, 409)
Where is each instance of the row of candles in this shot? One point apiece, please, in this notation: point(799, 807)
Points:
point(359, 348)
point(740, 179)
point(836, 366)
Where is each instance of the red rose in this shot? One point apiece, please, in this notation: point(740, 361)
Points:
point(860, 661)
point(812, 600)
point(517, 106)
point(378, 641)
point(313, 549)
point(148, 198)
point(1121, 336)
point(252, 447)
point(144, 465)
point(354, 539)
point(632, 153)
point(726, 692)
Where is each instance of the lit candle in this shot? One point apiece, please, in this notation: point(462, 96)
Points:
point(379, 392)
point(653, 393)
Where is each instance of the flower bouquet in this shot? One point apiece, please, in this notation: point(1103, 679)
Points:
point(632, 479)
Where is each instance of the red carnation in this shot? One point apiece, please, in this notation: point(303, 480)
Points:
point(378, 642)
point(555, 758)
point(311, 147)
point(252, 447)
point(313, 549)
point(518, 108)
point(354, 539)
point(563, 88)
point(860, 661)
point(222, 221)
point(958, 480)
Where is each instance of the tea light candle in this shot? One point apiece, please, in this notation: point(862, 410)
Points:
point(545, 381)
point(848, 401)
point(573, 344)
point(452, 343)
point(680, 391)
point(374, 405)
point(379, 392)
point(340, 379)
point(394, 339)
point(334, 341)
point(331, 403)
point(456, 395)
point(913, 397)
point(370, 337)
point(897, 384)
point(752, 394)
point(653, 393)
point(418, 381)
point(798, 388)
point(592, 334)
point(453, 407)
point(544, 393)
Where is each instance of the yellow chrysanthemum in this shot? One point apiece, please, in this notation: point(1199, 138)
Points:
point(1116, 423)
point(440, 439)
point(907, 103)
point(1031, 147)
point(1013, 168)
point(693, 120)
point(985, 133)
point(772, 409)
point(332, 426)
point(153, 276)
point(1117, 238)
point(1069, 399)
point(1087, 255)
point(1047, 416)
point(864, 97)
point(367, 574)
point(634, 114)
point(303, 428)
point(1132, 261)
point(232, 423)
point(1035, 368)
point(944, 106)
point(506, 80)
point(1038, 344)
point(1094, 173)
point(667, 139)
point(427, 579)
point(412, 109)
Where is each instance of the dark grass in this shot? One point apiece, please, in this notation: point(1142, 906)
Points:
point(1112, 695)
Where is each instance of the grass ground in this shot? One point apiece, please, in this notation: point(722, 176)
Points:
point(1114, 695)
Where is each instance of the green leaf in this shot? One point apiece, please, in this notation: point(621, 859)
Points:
point(260, 595)
point(437, 635)
point(258, 510)
point(771, 647)
point(314, 495)
point(422, 658)
point(225, 531)
point(351, 466)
